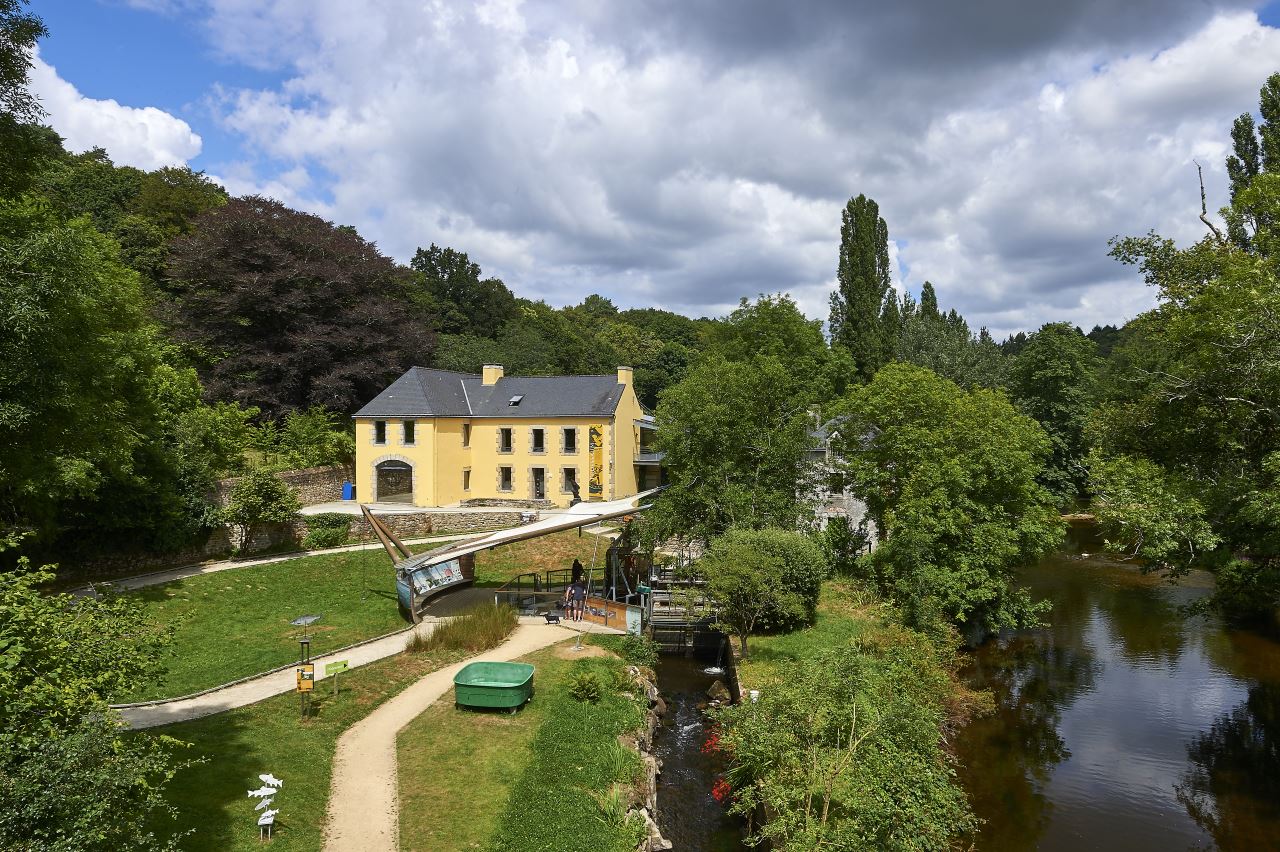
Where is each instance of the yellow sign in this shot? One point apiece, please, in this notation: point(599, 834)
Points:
point(595, 485)
point(306, 677)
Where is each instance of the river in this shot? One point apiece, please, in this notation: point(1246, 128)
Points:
point(1124, 725)
point(687, 813)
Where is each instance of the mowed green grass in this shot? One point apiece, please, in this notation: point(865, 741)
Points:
point(476, 780)
point(235, 623)
point(840, 619)
point(548, 553)
point(239, 745)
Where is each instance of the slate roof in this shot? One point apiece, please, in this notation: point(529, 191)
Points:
point(426, 392)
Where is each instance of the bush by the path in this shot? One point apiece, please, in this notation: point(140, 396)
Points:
point(476, 630)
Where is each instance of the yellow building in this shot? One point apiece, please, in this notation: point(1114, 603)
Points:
point(438, 437)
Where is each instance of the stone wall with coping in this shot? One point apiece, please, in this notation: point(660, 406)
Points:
point(312, 484)
point(223, 541)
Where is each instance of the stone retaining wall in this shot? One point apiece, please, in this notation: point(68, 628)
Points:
point(222, 542)
point(501, 502)
point(312, 484)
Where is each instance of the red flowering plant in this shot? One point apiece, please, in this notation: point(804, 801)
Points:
point(712, 745)
point(721, 791)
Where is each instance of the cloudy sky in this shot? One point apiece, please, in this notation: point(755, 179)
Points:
point(684, 154)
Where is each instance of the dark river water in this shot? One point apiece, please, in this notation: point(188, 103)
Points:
point(1124, 725)
point(687, 813)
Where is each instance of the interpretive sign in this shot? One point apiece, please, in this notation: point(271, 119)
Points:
point(306, 677)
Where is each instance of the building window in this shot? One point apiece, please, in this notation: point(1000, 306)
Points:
point(569, 440)
point(538, 441)
point(538, 477)
point(379, 431)
point(408, 433)
point(466, 434)
point(466, 479)
point(504, 440)
point(568, 479)
point(504, 479)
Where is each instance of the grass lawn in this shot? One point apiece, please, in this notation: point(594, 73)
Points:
point(236, 623)
point(558, 550)
point(269, 737)
point(473, 780)
point(840, 619)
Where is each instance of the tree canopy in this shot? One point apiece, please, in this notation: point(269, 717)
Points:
point(950, 479)
point(285, 311)
point(862, 286)
point(737, 439)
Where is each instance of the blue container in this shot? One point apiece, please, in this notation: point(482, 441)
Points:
point(348, 491)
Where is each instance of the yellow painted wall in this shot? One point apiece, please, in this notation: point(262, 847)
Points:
point(419, 455)
point(439, 457)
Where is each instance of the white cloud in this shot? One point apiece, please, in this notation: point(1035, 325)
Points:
point(569, 153)
point(145, 137)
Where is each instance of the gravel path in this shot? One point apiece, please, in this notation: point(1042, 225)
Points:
point(364, 812)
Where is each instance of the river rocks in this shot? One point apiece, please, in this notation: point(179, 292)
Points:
point(655, 841)
point(719, 692)
point(660, 706)
point(643, 797)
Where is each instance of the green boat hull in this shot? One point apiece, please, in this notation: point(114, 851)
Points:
point(500, 686)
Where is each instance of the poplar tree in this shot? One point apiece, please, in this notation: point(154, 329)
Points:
point(857, 305)
point(1255, 150)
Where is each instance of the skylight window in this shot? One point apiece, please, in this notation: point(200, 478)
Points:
point(515, 400)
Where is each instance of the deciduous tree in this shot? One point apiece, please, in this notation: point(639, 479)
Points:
point(862, 285)
point(287, 311)
point(950, 478)
point(737, 440)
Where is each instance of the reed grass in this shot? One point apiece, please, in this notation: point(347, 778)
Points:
point(476, 630)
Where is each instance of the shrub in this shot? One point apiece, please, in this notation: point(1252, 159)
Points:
point(328, 529)
point(258, 498)
point(638, 650)
point(586, 688)
point(318, 539)
point(763, 580)
point(476, 630)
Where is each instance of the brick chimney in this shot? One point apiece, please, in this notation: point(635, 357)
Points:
point(490, 374)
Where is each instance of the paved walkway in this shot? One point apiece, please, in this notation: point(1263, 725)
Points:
point(364, 799)
point(255, 689)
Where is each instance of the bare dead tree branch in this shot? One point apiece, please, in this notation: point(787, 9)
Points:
point(1204, 210)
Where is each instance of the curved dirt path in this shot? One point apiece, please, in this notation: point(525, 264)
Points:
point(364, 805)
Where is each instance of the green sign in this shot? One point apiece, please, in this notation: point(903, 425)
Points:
point(644, 590)
point(334, 668)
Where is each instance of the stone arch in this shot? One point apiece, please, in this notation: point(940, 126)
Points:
point(392, 479)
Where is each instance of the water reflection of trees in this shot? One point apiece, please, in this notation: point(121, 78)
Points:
point(1007, 757)
point(1232, 786)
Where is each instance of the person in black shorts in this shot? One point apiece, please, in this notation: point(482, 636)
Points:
point(579, 600)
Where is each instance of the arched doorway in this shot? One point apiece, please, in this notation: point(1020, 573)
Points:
point(394, 482)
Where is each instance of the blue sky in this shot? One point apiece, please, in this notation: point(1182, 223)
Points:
point(109, 49)
point(685, 155)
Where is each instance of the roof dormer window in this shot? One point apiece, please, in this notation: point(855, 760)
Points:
point(515, 400)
